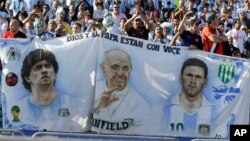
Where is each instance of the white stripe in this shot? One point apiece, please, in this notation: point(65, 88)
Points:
point(204, 117)
point(176, 115)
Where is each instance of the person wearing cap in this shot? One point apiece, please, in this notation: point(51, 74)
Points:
point(239, 36)
point(211, 38)
point(190, 37)
point(135, 26)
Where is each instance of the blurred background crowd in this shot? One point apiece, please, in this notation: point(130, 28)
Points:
point(218, 26)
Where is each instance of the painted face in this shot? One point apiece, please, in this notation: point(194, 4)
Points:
point(38, 27)
point(117, 69)
point(193, 80)
point(41, 74)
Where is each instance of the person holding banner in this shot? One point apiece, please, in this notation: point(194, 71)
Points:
point(116, 102)
point(190, 113)
point(45, 106)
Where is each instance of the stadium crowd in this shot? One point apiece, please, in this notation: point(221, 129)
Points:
point(218, 26)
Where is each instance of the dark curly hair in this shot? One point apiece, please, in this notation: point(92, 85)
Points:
point(32, 58)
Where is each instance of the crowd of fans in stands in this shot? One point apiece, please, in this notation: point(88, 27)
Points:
point(219, 26)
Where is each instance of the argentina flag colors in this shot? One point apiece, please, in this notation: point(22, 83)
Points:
point(116, 84)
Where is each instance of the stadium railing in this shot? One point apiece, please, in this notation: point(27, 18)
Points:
point(97, 137)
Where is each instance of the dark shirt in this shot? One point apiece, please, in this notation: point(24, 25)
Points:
point(20, 34)
point(191, 39)
point(247, 46)
point(142, 32)
point(229, 49)
point(246, 22)
point(10, 34)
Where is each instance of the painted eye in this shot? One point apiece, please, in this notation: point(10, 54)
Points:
point(115, 67)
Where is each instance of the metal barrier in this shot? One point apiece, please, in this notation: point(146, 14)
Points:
point(97, 137)
point(11, 132)
point(6, 138)
point(210, 140)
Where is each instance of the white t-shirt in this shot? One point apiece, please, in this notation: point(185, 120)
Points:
point(239, 37)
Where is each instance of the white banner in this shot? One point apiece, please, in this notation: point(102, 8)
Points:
point(145, 88)
point(141, 87)
point(48, 85)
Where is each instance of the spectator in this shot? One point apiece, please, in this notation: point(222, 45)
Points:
point(176, 40)
point(212, 41)
point(233, 49)
point(190, 37)
point(122, 26)
point(52, 13)
point(81, 20)
point(21, 16)
point(29, 29)
point(60, 14)
point(95, 25)
point(3, 25)
point(14, 31)
point(247, 8)
point(76, 28)
point(120, 4)
point(247, 42)
point(52, 27)
point(167, 5)
point(226, 19)
point(3, 11)
point(7, 6)
point(108, 23)
point(72, 15)
point(243, 18)
point(117, 15)
point(87, 18)
point(80, 7)
point(15, 6)
point(158, 35)
point(168, 33)
point(45, 9)
point(239, 36)
point(180, 11)
point(99, 10)
point(137, 28)
point(40, 32)
point(28, 5)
